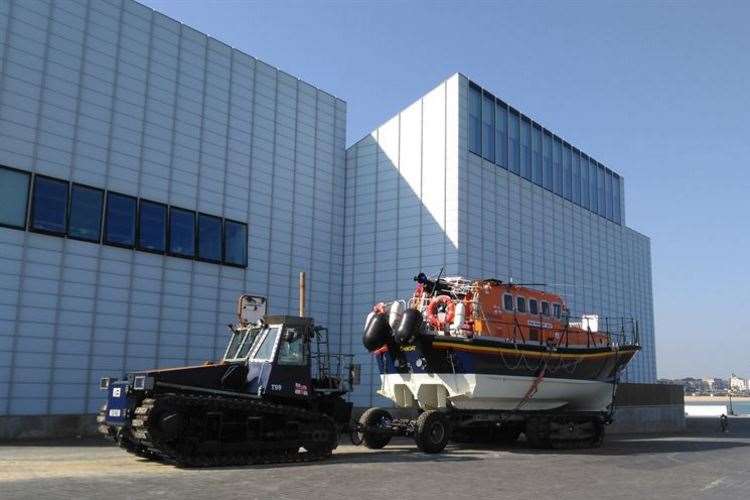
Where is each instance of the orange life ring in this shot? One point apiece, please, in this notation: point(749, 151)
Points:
point(432, 314)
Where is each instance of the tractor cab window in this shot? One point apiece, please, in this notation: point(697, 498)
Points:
point(556, 309)
point(240, 343)
point(249, 341)
point(545, 308)
point(292, 349)
point(265, 350)
point(234, 344)
point(508, 302)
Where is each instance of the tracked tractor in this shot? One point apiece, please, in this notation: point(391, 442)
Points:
point(277, 395)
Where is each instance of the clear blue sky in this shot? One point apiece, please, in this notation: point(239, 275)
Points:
point(660, 92)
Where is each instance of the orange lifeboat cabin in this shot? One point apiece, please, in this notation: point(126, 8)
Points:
point(505, 311)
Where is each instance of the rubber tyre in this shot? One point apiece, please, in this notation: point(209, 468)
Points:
point(372, 418)
point(432, 431)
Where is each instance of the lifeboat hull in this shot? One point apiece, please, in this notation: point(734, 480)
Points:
point(479, 374)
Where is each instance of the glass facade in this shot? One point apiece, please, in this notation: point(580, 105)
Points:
point(80, 212)
point(504, 136)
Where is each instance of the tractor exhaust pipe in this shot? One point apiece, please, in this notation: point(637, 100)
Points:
point(302, 294)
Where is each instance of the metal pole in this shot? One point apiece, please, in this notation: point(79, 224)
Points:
point(302, 294)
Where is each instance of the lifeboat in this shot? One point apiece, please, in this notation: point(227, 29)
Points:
point(486, 344)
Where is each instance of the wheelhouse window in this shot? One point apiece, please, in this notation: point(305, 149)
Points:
point(181, 232)
point(120, 220)
point(545, 308)
point(521, 304)
point(557, 310)
point(533, 306)
point(209, 238)
point(85, 219)
point(14, 191)
point(235, 243)
point(152, 226)
point(50, 204)
point(508, 302)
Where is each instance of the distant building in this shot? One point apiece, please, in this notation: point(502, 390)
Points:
point(737, 384)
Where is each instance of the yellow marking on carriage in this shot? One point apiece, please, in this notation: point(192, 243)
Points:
point(539, 354)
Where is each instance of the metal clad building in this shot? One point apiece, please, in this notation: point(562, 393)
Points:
point(461, 180)
point(135, 124)
point(150, 174)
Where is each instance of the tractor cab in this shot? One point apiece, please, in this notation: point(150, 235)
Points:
point(285, 356)
point(276, 353)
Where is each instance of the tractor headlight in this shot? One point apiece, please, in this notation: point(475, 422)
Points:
point(143, 383)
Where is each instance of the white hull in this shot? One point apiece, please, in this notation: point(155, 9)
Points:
point(493, 392)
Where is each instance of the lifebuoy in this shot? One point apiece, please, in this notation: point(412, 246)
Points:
point(432, 312)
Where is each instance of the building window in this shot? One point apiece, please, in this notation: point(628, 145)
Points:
point(608, 195)
point(508, 302)
point(616, 198)
point(14, 193)
point(501, 135)
point(209, 238)
point(533, 306)
point(525, 148)
point(600, 191)
point(567, 172)
point(50, 205)
point(547, 158)
point(576, 178)
point(515, 145)
point(585, 182)
point(119, 226)
point(152, 226)
point(536, 160)
point(181, 232)
point(475, 119)
point(545, 308)
point(235, 243)
point(488, 128)
point(85, 219)
point(593, 196)
point(557, 167)
point(521, 304)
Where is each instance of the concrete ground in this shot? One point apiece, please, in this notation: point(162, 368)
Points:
point(699, 464)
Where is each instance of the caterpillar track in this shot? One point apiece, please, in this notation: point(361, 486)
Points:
point(208, 431)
